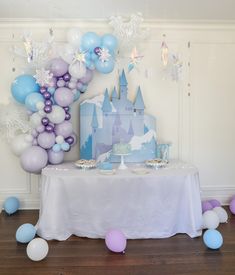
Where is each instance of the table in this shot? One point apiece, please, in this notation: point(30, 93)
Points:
point(87, 204)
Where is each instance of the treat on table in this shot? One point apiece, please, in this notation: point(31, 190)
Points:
point(121, 148)
point(106, 166)
point(85, 163)
point(156, 162)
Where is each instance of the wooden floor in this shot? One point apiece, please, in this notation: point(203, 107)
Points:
point(177, 255)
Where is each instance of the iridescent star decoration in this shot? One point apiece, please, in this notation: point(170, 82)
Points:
point(135, 59)
point(80, 57)
point(104, 55)
point(43, 77)
point(164, 54)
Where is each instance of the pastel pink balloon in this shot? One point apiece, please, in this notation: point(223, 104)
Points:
point(115, 241)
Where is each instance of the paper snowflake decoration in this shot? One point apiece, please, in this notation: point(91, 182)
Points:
point(13, 120)
point(104, 55)
point(43, 77)
point(80, 57)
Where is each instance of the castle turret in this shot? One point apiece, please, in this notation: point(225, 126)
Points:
point(138, 121)
point(139, 102)
point(106, 107)
point(94, 125)
point(114, 93)
point(123, 86)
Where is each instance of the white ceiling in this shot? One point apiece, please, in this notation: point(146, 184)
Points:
point(100, 9)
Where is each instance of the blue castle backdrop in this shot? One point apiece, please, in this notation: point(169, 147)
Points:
point(105, 121)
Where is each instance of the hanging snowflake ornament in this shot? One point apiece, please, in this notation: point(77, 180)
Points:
point(43, 77)
point(13, 119)
point(135, 59)
point(104, 54)
point(129, 31)
point(176, 69)
point(79, 56)
point(164, 54)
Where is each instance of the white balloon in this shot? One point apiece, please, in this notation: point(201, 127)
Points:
point(37, 249)
point(74, 36)
point(40, 105)
point(19, 144)
point(221, 213)
point(57, 115)
point(77, 69)
point(35, 120)
point(42, 113)
point(210, 220)
point(67, 53)
point(59, 139)
point(29, 138)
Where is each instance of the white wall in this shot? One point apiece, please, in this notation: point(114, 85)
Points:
point(195, 114)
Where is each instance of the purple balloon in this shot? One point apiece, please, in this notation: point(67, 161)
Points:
point(97, 50)
point(40, 128)
point(74, 136)
point(60, 83)
point(115, 241)
point(47, 95)
point(33, 159)
point(43, 90)
point(55, 157)
point(66, 108)
point(34, 133)
point(47, 109)
point(87, 78)
point(67, 77)
point(72, 85)
point(35, 142)
point(63, 96)
point(79, 86)
point(64, 129)
point(58, 67)
point(67, 116)
point(206, 206)
point(70, 140)
point(232, 206)
point(45, 121)
point(48, 102)
point(214, 203)
point(49, 129)
point(46, 140)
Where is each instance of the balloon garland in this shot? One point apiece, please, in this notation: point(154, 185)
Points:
point(49, 94)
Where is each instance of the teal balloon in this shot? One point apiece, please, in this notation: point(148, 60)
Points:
point(213, 239)
point(105, 67)
point(65, 146)
point(109, 41)
point(56, 148)
point(32, 100)
point(22, 86)
point(25, 233)
point(11, 205)
point(89, 41)
point(76, 95)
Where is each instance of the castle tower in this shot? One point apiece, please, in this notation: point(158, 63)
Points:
point(123, 86)
point(139, 114)
point(114, 94)
point(107, 119)
point(94, 125)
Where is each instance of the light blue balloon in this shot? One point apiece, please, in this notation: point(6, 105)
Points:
point(22, 86)
point(89, 41)
point(51, 90)
point(213, 239)
point(83, 88)
point(109, 41)
point(56, 148)
point(76, 95)
point(25, 233)
point(94, 57)
point(11, 205)
point(32, 100)
point(65, 146)
point(105, 67)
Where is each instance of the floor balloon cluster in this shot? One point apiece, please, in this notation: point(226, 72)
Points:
point(49, 94)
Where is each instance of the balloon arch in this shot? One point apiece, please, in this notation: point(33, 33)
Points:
point(49, 94)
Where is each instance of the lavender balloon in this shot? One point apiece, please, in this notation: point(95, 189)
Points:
point(79, 86)
point(33, 159)
point(58, 67)
point(232, 206)
point(115, 241)
point(60, 83)
point(87, 78)
point(64, 129)
point(40, 128)
point(206, 206)
point(55, 157)
point(46, 140)
point(63, 96)
point(214, 203)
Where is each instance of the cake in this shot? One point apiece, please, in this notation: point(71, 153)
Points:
point(121, 149)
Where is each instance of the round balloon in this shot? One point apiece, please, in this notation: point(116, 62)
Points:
point(64, 129)
point(55, 157)
point(57, 115)
point(210, 220)
point(206, 206)
point(232, 206)
point(34, 159)
point(25, 233)
point(87, 77)
point(214, 203)
point(213, 239)
point(63, 96)
point(77, 69)
point(32, 100)
point(58, 67)
point(67, 53)
point(11, 205)
point(74, 36)
point(105, 67)
point(90, 41)
point(46, 140)
point(109, 41)
point(35, 120)
point(221, 213)
point(37, 249)
point(19, 144)
point(115, 241)
point(22, 86)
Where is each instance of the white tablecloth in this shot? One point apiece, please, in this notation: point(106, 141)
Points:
point(88, 204)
